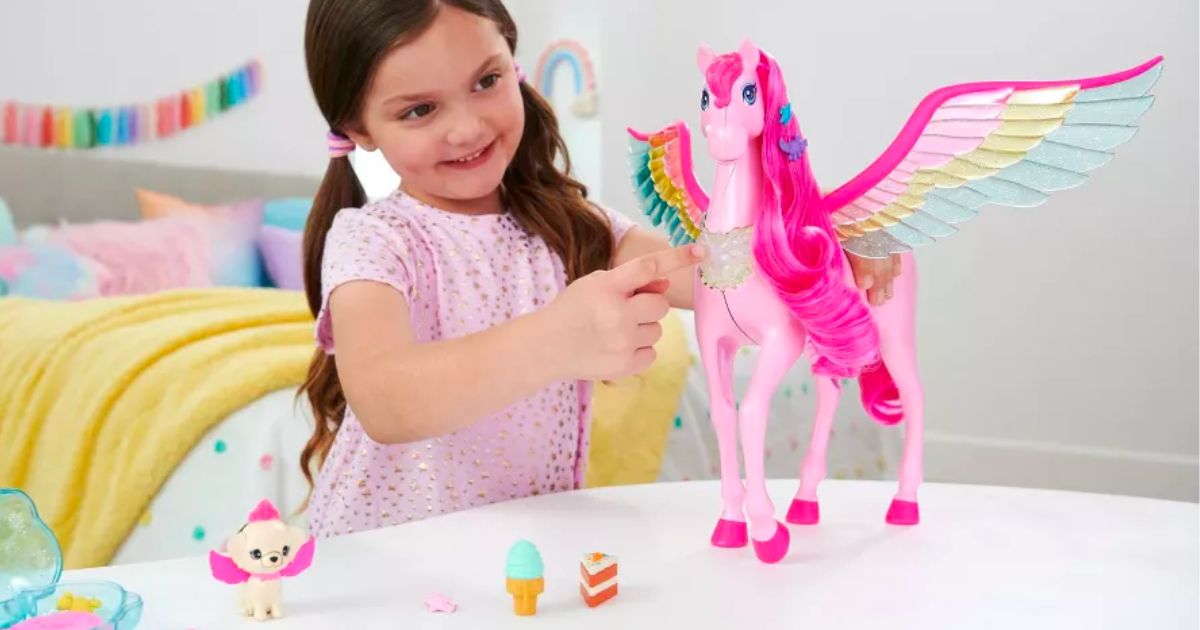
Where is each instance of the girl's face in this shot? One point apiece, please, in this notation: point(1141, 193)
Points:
point(446, 112)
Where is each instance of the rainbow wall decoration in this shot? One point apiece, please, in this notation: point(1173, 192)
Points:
point(571, 54)
point(63, 127)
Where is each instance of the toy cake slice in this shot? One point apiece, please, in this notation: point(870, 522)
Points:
point(597, 578)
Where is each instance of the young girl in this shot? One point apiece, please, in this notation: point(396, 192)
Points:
point(460, 320)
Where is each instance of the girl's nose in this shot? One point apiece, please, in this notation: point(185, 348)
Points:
point(466, 130)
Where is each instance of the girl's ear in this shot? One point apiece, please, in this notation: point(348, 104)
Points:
point(360, 137)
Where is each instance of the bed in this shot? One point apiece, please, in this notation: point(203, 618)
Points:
point(253, 453)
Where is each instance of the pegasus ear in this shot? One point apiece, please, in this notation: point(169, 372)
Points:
point(749, 54)
point(704, 58)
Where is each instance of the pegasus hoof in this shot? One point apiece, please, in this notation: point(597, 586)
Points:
point(903, 513)
point(804, 512)
point(729, 534)
point(773, 550)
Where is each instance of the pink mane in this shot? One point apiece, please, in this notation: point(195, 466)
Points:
point(797, 249)
point(720, 76)
point(265, 511)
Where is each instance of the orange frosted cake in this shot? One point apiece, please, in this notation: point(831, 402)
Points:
point(597, 578)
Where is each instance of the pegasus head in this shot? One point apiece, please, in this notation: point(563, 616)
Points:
point(731, 104)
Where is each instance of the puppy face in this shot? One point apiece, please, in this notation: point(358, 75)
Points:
point(265, 546)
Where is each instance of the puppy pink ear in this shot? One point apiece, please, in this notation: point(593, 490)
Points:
point(302, 560)
point(225, 570)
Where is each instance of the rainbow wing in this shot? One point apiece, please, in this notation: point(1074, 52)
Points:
point(1008, 143)
point(665, 183)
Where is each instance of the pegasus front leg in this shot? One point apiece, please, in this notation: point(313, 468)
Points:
point(717, 354)
point(771, 538)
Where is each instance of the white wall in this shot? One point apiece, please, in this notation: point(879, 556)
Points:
point(579, 20)
point(85, 53)
point(1059, 344)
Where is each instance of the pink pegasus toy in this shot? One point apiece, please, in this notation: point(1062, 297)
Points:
point(258, 556)
point(775, 275)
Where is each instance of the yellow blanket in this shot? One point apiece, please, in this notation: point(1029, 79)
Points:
point(631, 417)
point(101, 400)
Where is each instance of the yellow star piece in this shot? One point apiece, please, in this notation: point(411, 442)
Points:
point(70, 602)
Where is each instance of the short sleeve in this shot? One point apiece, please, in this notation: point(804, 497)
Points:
point(621, 224)
point(360, 246)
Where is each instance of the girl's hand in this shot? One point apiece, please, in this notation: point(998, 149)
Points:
point(604, 325)
point(875, 275)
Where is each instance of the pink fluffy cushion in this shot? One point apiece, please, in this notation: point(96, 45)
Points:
point(233, 233)
point(281, 252)
point(141, 257)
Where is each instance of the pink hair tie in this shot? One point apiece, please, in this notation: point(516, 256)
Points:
point(339, 145)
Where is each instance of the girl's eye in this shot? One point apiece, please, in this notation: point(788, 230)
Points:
point(750, 94)
point(488, 82)
point(420, 111)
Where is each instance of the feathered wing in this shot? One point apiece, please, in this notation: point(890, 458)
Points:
point(1008, 143)
point(664, 181)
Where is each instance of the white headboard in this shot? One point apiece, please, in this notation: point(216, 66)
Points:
point(44, 186)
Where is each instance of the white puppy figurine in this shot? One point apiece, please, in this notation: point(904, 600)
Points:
point(263, 552)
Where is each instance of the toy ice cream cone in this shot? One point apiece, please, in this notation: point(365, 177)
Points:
point(525, 594)
point(524, 578)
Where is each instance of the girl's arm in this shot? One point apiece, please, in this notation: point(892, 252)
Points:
point(404, 391)
point(602, 327)
point(639, 242)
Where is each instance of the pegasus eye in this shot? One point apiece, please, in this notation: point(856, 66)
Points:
point(256, 554)
point(750, 94)
point(704, 99)
point(286, 550)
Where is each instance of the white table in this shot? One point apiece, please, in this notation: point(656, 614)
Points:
point(983, 557)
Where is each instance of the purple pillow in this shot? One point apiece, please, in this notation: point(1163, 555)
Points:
point(281, 252)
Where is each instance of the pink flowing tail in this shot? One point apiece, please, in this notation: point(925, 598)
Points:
point(880, 396)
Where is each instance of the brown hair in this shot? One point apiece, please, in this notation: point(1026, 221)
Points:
point(344, 42)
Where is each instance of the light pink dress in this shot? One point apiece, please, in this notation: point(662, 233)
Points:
point(459, 275)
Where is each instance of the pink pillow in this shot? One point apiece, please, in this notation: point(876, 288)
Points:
point(141, 257)
point(282, 254)
point(233, 233)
